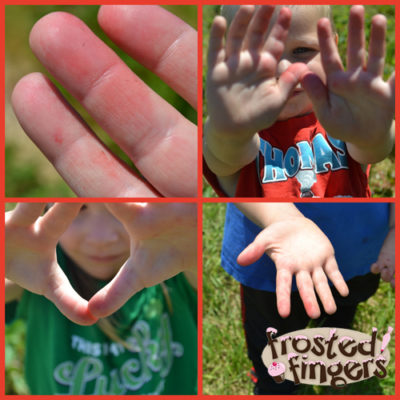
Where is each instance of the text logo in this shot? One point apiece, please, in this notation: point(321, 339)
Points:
point(326, 356)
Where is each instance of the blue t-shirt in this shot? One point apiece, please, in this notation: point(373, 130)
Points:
point(356, 231)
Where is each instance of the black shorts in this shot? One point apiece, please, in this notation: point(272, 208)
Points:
point(259, 311)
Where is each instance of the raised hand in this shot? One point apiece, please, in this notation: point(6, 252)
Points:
point(355, 105)
point(30, 256)
point(163, 243)
point(298, 247)
point(158, 139)
point(243, 92)
point(385, 264)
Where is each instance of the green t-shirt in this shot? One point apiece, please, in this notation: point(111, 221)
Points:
point(65, 358)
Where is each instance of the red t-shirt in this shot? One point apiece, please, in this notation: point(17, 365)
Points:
point(297, 158)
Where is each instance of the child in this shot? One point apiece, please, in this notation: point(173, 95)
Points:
point(285, 118)
point(311, 243)
point(148, 346)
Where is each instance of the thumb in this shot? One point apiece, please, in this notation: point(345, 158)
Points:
point(290, 78)
point(316, 91)
point(255, 250)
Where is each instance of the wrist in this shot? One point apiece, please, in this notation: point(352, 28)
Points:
point(228, 153)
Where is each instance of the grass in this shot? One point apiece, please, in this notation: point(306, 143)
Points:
point(225, 363)
point(382, 177)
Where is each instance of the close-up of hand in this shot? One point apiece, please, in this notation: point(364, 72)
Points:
point(298, 248)
point(163, 243)
point(385, 264)
point(355, 104)
point(30, 256)
point(243, 94)
point(160, 142)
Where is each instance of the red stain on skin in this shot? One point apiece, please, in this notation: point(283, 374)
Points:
point(58, 137)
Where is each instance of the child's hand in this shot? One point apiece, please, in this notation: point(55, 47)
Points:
point(298, 247)
point(157, 138)
point(385, 264)
point(356, 105)
point(30, 256)
point(243, 92)
point(163, 243)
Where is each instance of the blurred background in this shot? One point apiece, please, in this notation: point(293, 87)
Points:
point(382, 176)
point(27, 172)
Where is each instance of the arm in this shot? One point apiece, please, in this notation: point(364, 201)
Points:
point(12, 291)
point(297, 247)
point(243, 94)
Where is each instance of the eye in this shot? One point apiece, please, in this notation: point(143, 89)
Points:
point(83, 208)
point(303, 50)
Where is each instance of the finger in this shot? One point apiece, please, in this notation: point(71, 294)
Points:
point(145, 126)
point(79, 157)
point(57, 219)
point(216, 50)
point(387, 273)
point(333, 273)
point(283, 291)
point(317, 92)
point(323, 290)
point(275, 43)
point(375, 268)
point(258, 27)
point(290, 78)
point(117, 292)
point(330, 57)
point(238, 29)
point(377, 46)
point(25, 214)
point(173, 57)
point(64, 297)
point(254, 250)
point(356, 39)
point(307, 294)
point(126, 212)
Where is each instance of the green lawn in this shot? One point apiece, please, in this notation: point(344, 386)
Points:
point(225, 363)
point(382, 176)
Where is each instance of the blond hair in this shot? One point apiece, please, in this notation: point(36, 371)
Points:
point(229, 11)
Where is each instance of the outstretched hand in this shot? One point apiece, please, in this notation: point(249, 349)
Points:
point(298, 247)
point(157, 138)
point(243, 94)
point(355, 105)
point(163, 243)
point(30, 256)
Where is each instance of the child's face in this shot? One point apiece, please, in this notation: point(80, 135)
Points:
point(96, 241)
point(301, 46)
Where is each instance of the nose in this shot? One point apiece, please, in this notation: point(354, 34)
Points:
point(100, 233)
point(282, 66)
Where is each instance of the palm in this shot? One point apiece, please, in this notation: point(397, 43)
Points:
point(298, 248)
point(243, 93)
